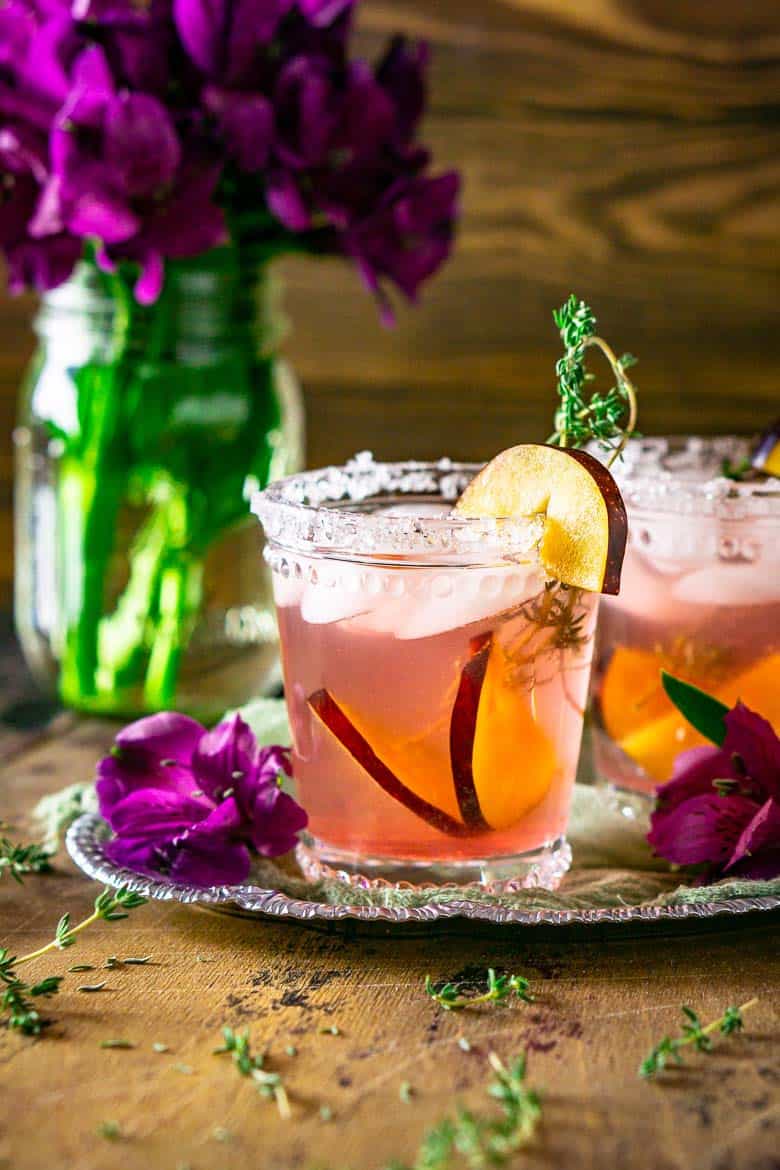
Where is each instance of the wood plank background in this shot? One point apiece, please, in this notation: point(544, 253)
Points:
point(628, 150)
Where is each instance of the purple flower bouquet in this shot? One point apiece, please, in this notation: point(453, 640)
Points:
point(155, 157)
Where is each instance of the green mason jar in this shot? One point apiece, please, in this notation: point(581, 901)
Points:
point(143, 431)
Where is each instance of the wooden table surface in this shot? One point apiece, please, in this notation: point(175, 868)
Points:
point(603, 999)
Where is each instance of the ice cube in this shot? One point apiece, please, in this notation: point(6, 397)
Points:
point(335, 591)
point(449, 599)
point(287, 586)
point(725, 584)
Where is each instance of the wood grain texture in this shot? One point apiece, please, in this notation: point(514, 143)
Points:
point(603, 999)
point(625, 149)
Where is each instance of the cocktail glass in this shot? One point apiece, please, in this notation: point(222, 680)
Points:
point(435, 680)
point(700, 597)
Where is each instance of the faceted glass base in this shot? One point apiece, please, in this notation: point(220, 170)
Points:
point(540, 868)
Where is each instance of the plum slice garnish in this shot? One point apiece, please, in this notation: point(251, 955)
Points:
point(463, 728)
point(341, 726)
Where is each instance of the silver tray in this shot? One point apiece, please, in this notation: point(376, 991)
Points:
point(86, 837)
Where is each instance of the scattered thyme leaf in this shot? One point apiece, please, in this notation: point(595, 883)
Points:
point(692, 1032)
point(17, 995)
point(249, 1064)
point(331, 1030)
point(90, 987)
point(464, 1044)
point(608, 418)
point(484, 1140)
point(221, 1134)
point(110, 905)
point(405, 1092)
point(158, 1047)
point(450, 996)
point(326, 1113)
point(77, 968)
point(291, 1050)
point(110, 1130)
point(111, 963)
point(132, 961)
point(117, 1044)
point(18, 860)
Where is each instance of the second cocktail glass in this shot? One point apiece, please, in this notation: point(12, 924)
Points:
point(700, 598)
point(435, 679)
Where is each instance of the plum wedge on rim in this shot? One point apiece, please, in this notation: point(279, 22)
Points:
point(585, 524)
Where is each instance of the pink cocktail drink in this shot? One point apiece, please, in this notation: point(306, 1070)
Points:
point(435, 679)
point(700, 598)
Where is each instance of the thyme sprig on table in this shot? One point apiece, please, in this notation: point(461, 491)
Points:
point(250, 1064)
point(18, 860)
point(451, 997)
point(16, 1001)
point(477, 1140)
point(695, 1033)
point(608, 418)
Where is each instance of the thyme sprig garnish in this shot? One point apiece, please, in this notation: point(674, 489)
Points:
point(16, 1002)
point(695, 1033)
point(608, 418)
point(18, 860)
point(452, 998)
point(478, 1140)
point(250, 1064)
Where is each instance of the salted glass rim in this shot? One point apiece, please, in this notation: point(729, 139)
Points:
point(324, 511)
point(681, 474)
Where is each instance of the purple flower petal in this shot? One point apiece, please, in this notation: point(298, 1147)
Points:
point(225, 756)
point(308, 104)
point(757, 852)
point(695, 772)
point(753, 739)
point(247, 121)
point(155, 814)
point(324, 12)
point(138, 854)
point(154, 752)
point(210, 861)
point(409, 235)
point(223, 36)
point(277, 820)
point(141, 145)
point(149, 284)
point(286, 202)
point(402, 72)
point(42, 264)
point(702, 829)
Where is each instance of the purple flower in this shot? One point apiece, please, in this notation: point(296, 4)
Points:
point(151, 120)
point(408, 237)
point(194, 804)
point(121, 174)
point(722, 806)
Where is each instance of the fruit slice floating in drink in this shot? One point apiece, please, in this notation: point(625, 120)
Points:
point(501, 763)
point(660, 733)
